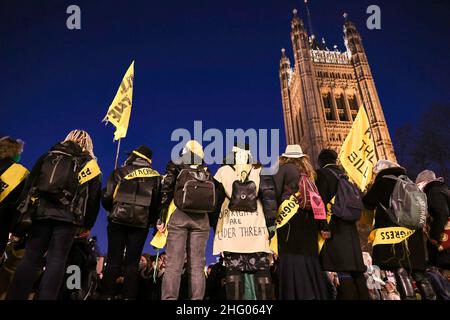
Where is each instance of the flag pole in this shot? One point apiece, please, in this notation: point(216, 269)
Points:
point(117, 154)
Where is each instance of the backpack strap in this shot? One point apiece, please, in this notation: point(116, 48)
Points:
point(338, 176)
point(391, 176)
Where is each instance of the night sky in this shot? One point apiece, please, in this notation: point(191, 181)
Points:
point(214, 60)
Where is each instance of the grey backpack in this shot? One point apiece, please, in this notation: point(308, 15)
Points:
point(408, 204)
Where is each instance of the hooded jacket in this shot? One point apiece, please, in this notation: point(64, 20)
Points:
point(146, 217)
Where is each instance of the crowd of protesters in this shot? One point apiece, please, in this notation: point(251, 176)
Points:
point(294, 235)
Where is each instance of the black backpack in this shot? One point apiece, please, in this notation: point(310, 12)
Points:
point(348, 203)
point(243, 195)
point(132, 202)
point(195, 190)
point(58, 178)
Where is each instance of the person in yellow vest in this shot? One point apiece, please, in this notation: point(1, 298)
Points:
point(131, 199)
point(12, 180)
point(407, 258)
point(300, 274)
point(65, 189)
point(245, 225)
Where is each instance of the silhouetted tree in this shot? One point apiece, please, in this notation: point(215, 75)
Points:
point(426, 144)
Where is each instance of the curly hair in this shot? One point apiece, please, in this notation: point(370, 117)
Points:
point(303, 165)
point(9, 148)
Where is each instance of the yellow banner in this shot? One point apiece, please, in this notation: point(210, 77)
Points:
point(120, 109)
point(390, 235)
point(142, 173)
point(11, 178)
point(357, 154)
point(160, 239)
point(89, 171)
point(286, 211)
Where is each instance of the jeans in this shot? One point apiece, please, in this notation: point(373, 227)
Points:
point(121, 238)
point(188, 234)
point(55, 238)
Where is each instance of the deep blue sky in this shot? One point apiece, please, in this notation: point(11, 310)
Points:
point(214, 60)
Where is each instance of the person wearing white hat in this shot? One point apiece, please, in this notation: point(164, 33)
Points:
point(300, 273)
point(293, 151)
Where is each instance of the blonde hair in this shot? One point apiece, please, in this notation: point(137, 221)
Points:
point(83, 139)
point(303, 165)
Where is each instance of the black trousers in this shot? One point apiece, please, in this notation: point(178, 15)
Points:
point(55, 238)
point(6, 219)
point(353, 286)
point(121, 238)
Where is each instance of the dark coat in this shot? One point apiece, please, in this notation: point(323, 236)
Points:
point(146, 217)
point(91, 198)
point(300, 234)
point(438, 199)
point(388, 256)
point(342, 252)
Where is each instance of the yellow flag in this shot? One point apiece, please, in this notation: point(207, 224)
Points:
point(120, 109)
point(357, 154)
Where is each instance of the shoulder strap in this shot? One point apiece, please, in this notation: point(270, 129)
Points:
point(338, 176)
point(391, 176)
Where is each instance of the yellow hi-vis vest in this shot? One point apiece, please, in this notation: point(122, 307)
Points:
point(11, 178)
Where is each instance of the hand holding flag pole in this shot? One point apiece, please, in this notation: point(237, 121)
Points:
point(120, 109)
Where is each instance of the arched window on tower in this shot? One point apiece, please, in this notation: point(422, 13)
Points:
point(326, 99)
point(353, 103)
point(340, 104)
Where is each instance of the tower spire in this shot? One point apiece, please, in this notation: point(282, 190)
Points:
point(311, 31)
point(345, 15)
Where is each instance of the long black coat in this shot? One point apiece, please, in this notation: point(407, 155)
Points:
point(388, 256)
point(299, 235)
point(342, 252)
point(438, 198)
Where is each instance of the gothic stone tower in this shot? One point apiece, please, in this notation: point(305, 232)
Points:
point(321, 95)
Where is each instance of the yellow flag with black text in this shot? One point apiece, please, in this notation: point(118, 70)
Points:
point(120, 109)
point(357, 154)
